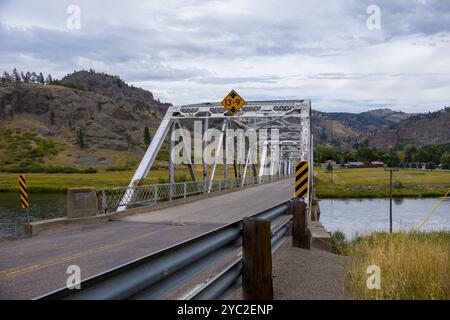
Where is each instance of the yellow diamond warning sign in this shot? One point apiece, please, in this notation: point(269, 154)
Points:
point(233, 102)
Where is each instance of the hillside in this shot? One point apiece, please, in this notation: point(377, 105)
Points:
point(41, 124)
point(343, 130)
point(421, 130)
point(110, 114)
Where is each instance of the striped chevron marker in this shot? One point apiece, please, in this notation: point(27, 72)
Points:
point(301, 179)
point(24, 200)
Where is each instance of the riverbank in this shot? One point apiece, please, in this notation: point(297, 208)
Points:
point(374, 183)
point(345, 183)
point(60, 182)
point(413, 265)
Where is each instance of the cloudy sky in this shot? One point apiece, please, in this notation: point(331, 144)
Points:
point(188, 51)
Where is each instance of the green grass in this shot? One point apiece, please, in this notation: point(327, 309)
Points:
point(60, 182)
point(374, 183)
point(414, 266)
point(24, 148)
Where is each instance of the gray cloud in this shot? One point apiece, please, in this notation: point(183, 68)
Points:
point(190, 50)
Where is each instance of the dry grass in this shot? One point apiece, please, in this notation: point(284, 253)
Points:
point(374, 183)
point(59, 182)
point(414, 266)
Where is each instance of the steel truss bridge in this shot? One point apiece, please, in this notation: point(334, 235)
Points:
point(292, 119)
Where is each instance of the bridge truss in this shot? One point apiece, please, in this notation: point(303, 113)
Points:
point(291, 118)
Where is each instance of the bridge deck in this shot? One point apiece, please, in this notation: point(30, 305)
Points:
point(224, 208)
point(32, 267)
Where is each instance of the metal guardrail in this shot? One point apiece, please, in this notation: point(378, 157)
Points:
point(112, 198)
point(157, 275)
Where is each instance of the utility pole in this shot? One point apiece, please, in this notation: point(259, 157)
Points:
point(390, 196)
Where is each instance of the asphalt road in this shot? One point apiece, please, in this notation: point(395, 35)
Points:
point(32, 267)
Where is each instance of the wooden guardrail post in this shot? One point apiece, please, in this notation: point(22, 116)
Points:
point(257, 260)
point(300, 233)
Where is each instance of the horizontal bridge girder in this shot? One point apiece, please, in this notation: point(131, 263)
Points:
point(252, 109)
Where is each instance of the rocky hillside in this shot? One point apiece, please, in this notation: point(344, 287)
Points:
point(343, 130)
point(41, 124)
point(114, 88)
point(109, 114)
point(421, 129)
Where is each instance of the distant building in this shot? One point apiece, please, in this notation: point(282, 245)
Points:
point(328, 162)
point(354, 164)
point(378, 164)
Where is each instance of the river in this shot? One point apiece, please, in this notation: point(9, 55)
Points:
point(363, 216)
point(352, 216)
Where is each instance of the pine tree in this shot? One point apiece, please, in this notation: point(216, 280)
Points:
point(49, 79)
point(16, 76)
point(40, 78)
point(6, 77)
point(147, 138)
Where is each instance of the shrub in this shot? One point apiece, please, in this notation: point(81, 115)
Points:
point(338, 243)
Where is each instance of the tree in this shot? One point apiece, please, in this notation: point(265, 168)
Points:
point(410, 150)
point(40, 78)
point(6, 78)
point(351, 155)
point(365, 154)
point(445, 158)
point(49, 79)
point(16, 76)
point(324, 153)
point(147, 138)
point(80, 138)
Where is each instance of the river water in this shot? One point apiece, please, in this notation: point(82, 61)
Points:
point(363, 216)
point(42, 206)
point(352, 216)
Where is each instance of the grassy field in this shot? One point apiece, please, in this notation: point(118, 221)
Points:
point(412, 266)
point(374, 183)
point(60, 182)
point(347, 183)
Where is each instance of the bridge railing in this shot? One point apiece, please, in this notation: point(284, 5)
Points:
point(111, 198)
point(160, 275)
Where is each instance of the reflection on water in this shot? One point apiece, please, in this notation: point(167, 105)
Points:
point(363, 216)
point(42, 206)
